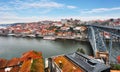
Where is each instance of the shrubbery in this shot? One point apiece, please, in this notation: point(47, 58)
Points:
point(115, 66)
point(81, 50)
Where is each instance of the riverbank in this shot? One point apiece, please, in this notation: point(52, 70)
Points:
point(46, 37)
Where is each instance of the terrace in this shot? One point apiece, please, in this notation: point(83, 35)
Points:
point(66, 65)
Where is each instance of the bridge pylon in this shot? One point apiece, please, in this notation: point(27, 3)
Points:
point(98, 45)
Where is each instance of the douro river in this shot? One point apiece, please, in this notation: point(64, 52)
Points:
point(13, 47)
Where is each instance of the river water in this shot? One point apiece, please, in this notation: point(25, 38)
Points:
point(13, 47)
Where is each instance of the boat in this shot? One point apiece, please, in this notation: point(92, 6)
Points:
point(18, 35)
point(11, 34)
point(31, 35)
point(49, 38)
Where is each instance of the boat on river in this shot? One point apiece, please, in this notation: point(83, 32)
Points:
point(49, 38)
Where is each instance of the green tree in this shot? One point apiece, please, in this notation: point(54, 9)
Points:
point(81, 50)
point(115, 66)
point(71, 29)
point(57, 31)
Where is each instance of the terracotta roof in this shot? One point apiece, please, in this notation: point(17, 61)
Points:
point(13, 61)
point(37, 65)
point(3, 63)
point(31, 55)
point(68, 66)
point(32, 61)
point(26, 66)
point(2, 70)
point(15, 69)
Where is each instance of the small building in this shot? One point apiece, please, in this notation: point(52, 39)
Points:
point(76, 62)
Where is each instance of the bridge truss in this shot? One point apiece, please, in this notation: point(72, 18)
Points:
point(97, 40)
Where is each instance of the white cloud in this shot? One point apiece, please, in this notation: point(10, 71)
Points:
point(27, 4)
point(97, 18)
point(7, 18)
point(71, 7)
point(100, 10)
point(16, 5)
point(43, 5)
point(88, 18)
point(5, 8)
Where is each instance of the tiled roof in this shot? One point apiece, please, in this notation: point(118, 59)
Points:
point(3, 63)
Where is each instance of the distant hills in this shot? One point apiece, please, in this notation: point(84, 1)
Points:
point(5, 25)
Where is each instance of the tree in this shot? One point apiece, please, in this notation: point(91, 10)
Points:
point(71, 29)
point(111, 20)
point(56, 30)
point(81, 50)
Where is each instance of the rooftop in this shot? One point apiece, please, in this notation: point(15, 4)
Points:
point(88, 64)
point(68, 66)
point(76, 62)
point(30, 61)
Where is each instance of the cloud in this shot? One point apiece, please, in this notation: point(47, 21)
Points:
point(71, 7)
point(30, 4)
point(18, 5)
point(9, 17)
point(43, 5)
point(98, 10)
point(5, 8)
point(8, 20)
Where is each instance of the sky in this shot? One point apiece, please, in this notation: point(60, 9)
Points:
point(14, 11)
